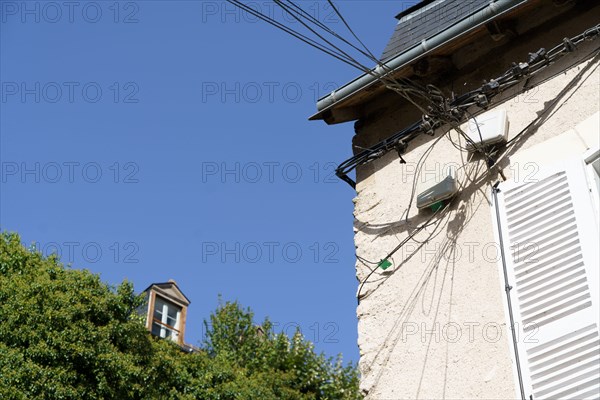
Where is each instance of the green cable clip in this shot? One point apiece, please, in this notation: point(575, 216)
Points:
point(384, 264)
point(436, 206)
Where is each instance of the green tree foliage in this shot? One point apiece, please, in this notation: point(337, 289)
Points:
point(66, 335)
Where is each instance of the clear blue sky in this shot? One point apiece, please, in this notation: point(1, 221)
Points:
point(151, 140)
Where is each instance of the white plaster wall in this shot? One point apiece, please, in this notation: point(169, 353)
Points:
point(433, 326)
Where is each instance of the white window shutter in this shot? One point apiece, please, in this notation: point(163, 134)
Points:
point(550, 241)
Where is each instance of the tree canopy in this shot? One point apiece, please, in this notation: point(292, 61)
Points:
point(64, 334)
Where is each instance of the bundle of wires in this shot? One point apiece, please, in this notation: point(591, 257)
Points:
point(323, 38)
point(438, 110)
point(471, 170)
point(443, 111)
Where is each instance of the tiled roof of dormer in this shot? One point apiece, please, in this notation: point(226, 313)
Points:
point(170, 289)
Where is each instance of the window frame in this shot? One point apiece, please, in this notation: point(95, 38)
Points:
point(166, 331)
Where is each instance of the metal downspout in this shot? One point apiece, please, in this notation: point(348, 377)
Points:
point(507, 289)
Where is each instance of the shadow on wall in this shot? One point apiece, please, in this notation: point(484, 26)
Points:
point(439, 272)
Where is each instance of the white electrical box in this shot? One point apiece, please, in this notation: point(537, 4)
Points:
point(438, 189)
point(486, 129)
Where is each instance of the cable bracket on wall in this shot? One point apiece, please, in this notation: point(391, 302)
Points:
point(443, 110)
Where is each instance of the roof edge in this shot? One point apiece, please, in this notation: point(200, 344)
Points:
point(328, 102)
point(170, 282)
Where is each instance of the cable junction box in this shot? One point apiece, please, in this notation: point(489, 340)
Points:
point(487, 129)
point(438, 189)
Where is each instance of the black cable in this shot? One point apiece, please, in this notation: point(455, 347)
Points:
point(298, 14)
point(375, 152)
point(321, 25)
point(441, 110)
point(292, 32)
point(453, 111)
point(428, 223)
point(372, 271)
point(554, 101)
point(284, 7)
point(418, 168)
point(351, 31)
point(399, 246)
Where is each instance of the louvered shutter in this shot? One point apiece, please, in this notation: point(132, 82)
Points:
point(551, 244)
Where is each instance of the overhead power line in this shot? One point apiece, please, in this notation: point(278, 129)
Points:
point(319, 40)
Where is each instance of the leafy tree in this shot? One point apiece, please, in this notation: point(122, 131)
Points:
point(233, 335)
point(66, 335)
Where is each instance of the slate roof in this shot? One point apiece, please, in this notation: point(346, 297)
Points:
point(170, 288)
point(426, 19)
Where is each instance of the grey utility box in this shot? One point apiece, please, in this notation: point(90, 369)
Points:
point(438, 190)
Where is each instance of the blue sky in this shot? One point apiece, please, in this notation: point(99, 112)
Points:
point(151, 140)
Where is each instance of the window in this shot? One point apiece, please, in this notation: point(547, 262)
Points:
point(166, 319)
point(550, 242)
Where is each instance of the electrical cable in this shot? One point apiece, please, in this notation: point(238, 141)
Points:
point(298, 18)
point(427, 223)
point(513, 141)
point(412, 236)
point(321, 25)
point(454, 110)
point(419, 166)
point(440, 111)
point(467, 174)
point(403, 87)
point(294, 33)
point(398, 247)
point(351, 31)
point(448, 118)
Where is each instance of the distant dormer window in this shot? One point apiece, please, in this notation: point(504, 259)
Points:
point(166, 319)
point(165, 310)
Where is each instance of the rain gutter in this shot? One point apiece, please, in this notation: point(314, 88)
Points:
point(366, 80)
